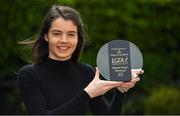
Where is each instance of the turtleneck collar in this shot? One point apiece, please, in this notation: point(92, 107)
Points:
point(53, 61)
point(57, 64)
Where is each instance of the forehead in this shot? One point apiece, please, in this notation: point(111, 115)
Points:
point(63, 25)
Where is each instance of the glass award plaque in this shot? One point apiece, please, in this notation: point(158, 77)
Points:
point(117, 58)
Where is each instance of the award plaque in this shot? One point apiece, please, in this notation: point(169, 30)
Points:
point(117, 58)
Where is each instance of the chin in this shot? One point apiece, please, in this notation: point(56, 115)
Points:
point(65, 57)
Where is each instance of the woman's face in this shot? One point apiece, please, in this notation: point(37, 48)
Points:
point(62, 39)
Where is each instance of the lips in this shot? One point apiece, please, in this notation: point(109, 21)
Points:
point(63, 48)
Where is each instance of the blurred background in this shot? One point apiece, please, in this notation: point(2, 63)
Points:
point(153, 25)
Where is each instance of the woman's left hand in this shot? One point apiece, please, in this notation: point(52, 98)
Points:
point(127, 85)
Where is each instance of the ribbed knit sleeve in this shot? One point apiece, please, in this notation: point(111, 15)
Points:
point(99, 105)
point(36, 103)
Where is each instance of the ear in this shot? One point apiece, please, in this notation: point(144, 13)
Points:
point(45, 37)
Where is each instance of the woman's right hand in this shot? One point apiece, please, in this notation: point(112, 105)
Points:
point(99, 87)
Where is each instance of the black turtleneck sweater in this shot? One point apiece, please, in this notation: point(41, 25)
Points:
point(57, 87)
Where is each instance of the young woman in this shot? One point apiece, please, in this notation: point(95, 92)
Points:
point(56, 83)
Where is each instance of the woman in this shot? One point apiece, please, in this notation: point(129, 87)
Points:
point(56, 83)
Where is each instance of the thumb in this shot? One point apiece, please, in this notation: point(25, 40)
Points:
point(96, 74)
point(137, 71)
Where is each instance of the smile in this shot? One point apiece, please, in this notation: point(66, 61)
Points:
point(63, 48)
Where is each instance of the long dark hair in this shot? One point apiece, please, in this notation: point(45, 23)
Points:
point(40, 47)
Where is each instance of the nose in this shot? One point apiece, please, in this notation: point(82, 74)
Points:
point(63, 39)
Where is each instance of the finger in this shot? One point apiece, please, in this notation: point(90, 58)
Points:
point(135, 80)
point(123, 89)
point(112, 84)
point(142, 71)
point(97, 74)
point(126, 85)
point(132, 85)
point(134, 76)
point(137, 71)
point(132, 82)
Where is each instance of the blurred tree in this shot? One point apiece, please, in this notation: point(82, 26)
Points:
point(19, 20)
point(164, 100)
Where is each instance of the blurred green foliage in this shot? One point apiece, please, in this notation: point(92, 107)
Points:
point(153, 25)
point(164, 100)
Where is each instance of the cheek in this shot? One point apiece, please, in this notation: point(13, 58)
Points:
point(52, 42)
point(52, 45)
point(75, 43)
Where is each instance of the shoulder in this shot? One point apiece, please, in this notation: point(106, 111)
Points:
point(27, 68)
point(27, 80)
point(88, 70)
point(26, 72)
point(87, 67)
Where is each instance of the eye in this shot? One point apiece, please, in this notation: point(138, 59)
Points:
point(57, 34)
point(71, 34)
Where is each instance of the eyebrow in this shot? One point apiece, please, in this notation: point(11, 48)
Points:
point(61, 31)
